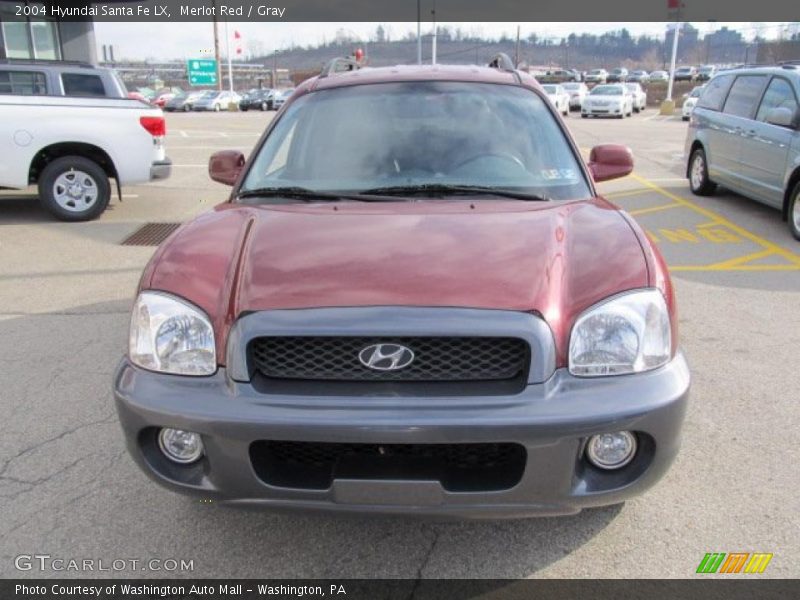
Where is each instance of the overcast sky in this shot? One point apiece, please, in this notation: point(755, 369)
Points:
point(162, 41)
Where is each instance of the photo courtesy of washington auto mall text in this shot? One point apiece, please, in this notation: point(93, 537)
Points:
point(399, 299)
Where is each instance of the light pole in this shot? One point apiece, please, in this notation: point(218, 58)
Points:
point(419, 32)
point(433, 46)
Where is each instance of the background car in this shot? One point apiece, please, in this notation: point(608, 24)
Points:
point(658, 76)
point(618, 75)
point(706, 72)
point(596, 76)
point(690, 102)
point(639, 96)
point(281, 97)
point(608, 100)
point(215, 101)
point(744, 134)
point(685, 74)
point(559, 76)
point(638, 76)
point(257, 99)
point(558, 96)
point(182, 101)
point(577, 92)
point(161, 99)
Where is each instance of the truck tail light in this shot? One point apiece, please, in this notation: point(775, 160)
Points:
point(156, 126)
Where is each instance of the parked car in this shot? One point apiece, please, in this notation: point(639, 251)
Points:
point(639, 77)
point(183, 101)
point(71, 147)
point(639, 96)
point(138, 96)
point(706, 72)
point(161, 100)
point(558, 96)
point(281, 97)
point(658, 77)
point(608, 100)
point(577, 93)
point(685, 74)
point(257, 99)
point(743, 134)
point(597, 76)
point(59, 78)
point(216, 101)
point(459, 327)
point(559, 76)
point(619, 75)
point(691, 101)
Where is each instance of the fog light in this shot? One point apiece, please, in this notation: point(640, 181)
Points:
point(180, 446)
point(611, 450)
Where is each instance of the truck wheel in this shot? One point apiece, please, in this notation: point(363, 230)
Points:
point(699, 182)
point(74, 188)
point(794, 212)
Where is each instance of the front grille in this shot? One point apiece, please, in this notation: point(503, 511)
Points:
point(436, 359)
point(458, 467)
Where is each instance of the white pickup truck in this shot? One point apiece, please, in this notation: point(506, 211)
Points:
point(71, 147)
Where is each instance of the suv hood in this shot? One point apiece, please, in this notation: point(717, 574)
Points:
point(554, 259)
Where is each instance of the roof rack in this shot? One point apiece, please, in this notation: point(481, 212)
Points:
point(338, 65)
point(502, 61)
point(39, 61)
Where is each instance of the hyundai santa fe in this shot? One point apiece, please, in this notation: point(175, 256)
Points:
point(414, 301)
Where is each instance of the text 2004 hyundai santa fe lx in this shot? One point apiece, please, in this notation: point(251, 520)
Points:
point(414, 301)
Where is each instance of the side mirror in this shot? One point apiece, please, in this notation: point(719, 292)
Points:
point(610, 161)
point(225, 166)
point(781, 116)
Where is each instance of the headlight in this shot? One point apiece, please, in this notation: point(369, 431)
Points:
point(170, 335)
point(629, 333)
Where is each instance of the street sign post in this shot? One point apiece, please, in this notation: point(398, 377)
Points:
point(202, 71)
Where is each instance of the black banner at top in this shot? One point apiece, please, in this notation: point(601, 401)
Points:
point(401, 10)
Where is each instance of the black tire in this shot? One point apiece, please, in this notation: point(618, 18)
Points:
point(700, 185)
point(243, 108)
point(63, 167)
point(684, 118)
point(583, 116)
point(793, 212)
point(187, 107)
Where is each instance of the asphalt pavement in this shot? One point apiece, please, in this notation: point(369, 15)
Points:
point(68, 489)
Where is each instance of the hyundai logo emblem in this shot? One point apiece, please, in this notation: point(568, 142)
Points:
point(386, 357)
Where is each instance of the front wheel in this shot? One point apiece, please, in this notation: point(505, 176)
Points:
point(699, 182)
point(74, 188)
point(794, 212)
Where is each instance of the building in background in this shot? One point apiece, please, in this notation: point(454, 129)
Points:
point(45, 39)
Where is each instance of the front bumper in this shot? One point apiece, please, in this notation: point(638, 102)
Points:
point(552, 420)
point(161, 169)
point(602, 111)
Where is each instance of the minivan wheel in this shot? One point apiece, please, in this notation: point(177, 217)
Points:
point(794, 212)
point(74, 188)
point(699, 182)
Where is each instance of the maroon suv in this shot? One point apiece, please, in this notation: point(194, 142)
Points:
point(414, 301)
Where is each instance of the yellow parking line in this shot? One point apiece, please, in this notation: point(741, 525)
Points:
point(720, 220)
point(644, 211)
point(740, 260)
point(624, 193)
point(735, 268)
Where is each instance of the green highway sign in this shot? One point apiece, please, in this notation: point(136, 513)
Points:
point(202, 71)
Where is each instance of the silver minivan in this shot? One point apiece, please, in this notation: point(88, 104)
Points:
point(744, 134)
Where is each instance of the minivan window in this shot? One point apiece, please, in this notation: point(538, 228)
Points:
point(416, 134)
point(23, 83)
point(779, 94)
point(744, 95)
point(79, 84)
point(715, 91)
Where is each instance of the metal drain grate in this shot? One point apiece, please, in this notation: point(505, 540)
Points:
point(150, 234)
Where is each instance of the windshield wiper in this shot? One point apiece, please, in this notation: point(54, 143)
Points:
point(442, 189)
point(308, 195)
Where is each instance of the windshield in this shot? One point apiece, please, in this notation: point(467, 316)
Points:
point(607, 90)
point(572, 86)
point(596, 71)
point(696, 92)
point(357, 138)
point(550, 89)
